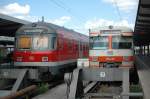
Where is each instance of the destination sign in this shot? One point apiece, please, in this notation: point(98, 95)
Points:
point(34, 30)
point(110, 31)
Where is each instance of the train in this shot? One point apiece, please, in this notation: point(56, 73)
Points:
point(110, 62)
point(49, 48)
point(111, 47)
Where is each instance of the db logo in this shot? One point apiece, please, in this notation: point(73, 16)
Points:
point(110, 59)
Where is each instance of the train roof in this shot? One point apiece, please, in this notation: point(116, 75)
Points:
point(52, 28)
point(121, 28)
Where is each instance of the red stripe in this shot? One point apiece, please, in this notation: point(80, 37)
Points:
point(110, 42)
point(115, 59)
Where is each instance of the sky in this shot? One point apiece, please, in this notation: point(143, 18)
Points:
point(79, 15)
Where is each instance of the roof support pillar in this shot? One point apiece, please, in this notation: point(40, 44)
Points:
point(148, 49)
point(144, 50)
point(141, 52)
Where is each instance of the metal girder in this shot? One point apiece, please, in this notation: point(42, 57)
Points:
point(142, 29)
point(143, 21)
point(144, 14)
point(13, 73)
point(76, 86)
point(144, 2)
point(101, 74)
point(142, 18)
point(144, 10)
point(114, 96)
point(145, 5)
point(143, 25)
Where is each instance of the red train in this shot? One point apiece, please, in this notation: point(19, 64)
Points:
point(48, 47)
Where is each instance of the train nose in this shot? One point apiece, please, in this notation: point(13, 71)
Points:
point(19, 59)
point(31, 58)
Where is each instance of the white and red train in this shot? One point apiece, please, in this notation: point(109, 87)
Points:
point(111, 47)
point(48, 46)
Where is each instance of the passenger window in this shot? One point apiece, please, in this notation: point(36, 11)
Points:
point(60, 44)
point(70, 45)
point(76, 47)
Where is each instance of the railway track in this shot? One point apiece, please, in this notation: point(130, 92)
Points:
point(111, 90)
point(31, 91)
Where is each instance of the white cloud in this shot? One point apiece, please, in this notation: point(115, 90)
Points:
point(102, 22)
point(124, 5)
point(60, 21)
point(29, 18)
point(15, 8)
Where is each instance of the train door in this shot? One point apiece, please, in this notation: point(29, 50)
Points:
point(80, 50)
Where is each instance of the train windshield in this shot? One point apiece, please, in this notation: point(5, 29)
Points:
point(99, 42)
point(40, 42)
point(24, 42)
point(37, 42)
point(119, 42)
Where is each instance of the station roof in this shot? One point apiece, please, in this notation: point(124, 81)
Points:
point(142, 24)
point(9, 25)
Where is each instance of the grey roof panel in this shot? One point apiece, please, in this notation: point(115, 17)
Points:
point(9, 25)
point(142, 24)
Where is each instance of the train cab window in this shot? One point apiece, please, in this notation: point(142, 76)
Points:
point(99, 42)
point(40, 42)
point(53, 43)
point(119, 42)
point(24, 42)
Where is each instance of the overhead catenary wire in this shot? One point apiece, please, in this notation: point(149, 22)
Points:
point(118, 11)
point(62, 5)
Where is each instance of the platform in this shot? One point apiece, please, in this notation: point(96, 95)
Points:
point(143, 68)
point(58, 92)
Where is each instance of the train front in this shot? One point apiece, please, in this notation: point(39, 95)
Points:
point(111, 47)
point(35, 46)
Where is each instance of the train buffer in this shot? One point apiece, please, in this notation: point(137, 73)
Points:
point(81, 74)
point(19, 74)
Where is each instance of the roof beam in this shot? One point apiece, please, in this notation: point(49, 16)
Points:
point(144, 14)
point(143, 21)
point(144, 2)
point(145, 5)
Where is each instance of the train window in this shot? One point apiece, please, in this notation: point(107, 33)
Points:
point(81, 47)
point(76, 47)
point(60, 44)
point(24, 42)
point(119, 42)
point(70, 45)
point(53, 42)
point(40, 42)
point(84, 47)
point(99, 42)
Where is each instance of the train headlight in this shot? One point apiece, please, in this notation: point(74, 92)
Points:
point(83, 63)
point(44, 59)
point(94, 64)
point(126, 58)
point(19, 59)
point(93, 58)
